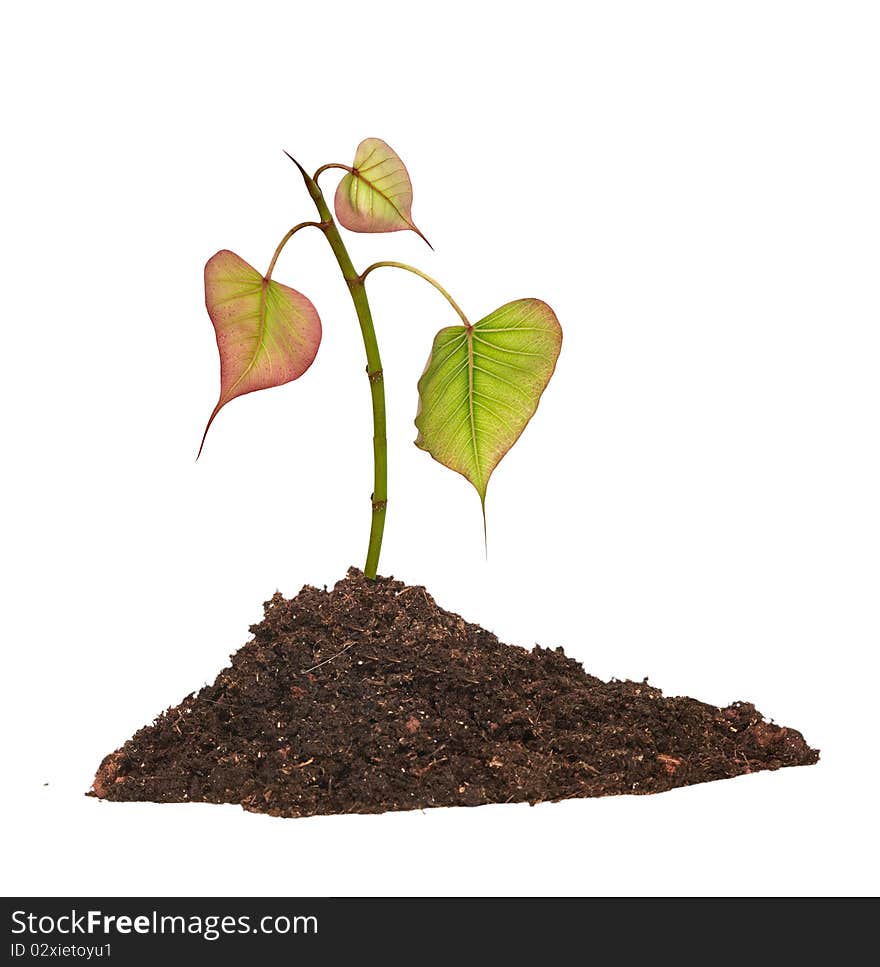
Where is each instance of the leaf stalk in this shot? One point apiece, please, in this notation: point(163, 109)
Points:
point(327, 167)
point(284, 242)
point(421, 275)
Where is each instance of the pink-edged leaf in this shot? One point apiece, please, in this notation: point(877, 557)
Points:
point(267, 333)
point(376, 196)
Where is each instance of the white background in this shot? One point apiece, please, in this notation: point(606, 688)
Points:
point(692, 186)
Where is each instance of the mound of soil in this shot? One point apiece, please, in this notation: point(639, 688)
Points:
point(370, 698)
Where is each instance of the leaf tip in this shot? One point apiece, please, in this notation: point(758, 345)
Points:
point(215, 411)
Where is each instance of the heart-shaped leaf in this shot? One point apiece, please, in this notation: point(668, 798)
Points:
point(482, 385)
point(376, 196)
point(267, 333)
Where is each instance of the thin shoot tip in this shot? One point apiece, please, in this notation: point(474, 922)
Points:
point(289, 155)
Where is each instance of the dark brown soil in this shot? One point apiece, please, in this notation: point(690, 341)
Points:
point(370, 697)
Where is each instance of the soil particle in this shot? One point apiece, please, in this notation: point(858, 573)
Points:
point(370, 698)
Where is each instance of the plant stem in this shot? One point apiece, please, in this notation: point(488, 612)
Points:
point(421, 275)
point(284, 242)
point(358, 292)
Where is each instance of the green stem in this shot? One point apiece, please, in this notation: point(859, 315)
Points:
point(358, 292)
point(284, 242)
point(421, 275)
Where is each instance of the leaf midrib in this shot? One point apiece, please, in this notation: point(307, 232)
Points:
point(470, 361)
point(261, 333)
point(358, 175)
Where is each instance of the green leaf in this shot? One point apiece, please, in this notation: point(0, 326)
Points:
point(376, 196)
point(267, 333)
point(482, 385)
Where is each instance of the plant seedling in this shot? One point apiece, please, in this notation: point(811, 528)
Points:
point(483, 380)
point(321, 734)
